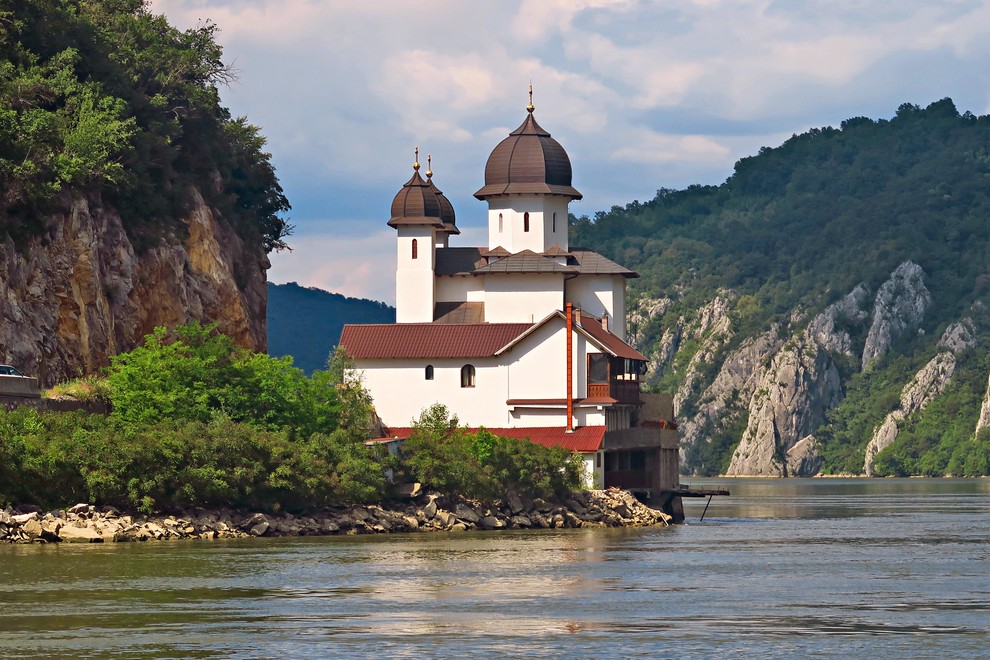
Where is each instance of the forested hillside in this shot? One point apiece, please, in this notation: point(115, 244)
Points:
point(305, 322)
point(839, 258)
point(129, 196)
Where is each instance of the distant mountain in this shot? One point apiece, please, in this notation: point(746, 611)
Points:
point(827, 308)
point(305, 322)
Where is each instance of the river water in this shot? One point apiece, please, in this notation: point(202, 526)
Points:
point(785, 568)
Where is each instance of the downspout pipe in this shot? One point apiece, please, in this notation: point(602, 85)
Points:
point(569, 315)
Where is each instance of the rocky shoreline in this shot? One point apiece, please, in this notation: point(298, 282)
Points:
point(87, 523)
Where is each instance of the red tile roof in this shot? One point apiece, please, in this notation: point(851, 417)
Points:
point(583, 439)
point(427, 340)
point(608, 340)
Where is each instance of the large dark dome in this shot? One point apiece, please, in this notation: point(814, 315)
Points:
point(528, 161)
point(417, 203)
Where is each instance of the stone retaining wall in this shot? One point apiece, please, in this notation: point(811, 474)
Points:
point(86, 523)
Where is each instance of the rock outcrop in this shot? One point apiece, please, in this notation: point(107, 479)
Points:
point(83, 291)
point(899, 308)
point(796, 390)
point(712, 330)
point(85, 523)
point(927, 384)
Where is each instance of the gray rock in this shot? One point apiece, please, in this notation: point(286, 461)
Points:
point(73, 534)
point(260, 529)
point(430, 510)
point(521, 521)
point(515, 504)
point(491, 522)
point(803, 459)
point(927, 384)
point(899, 308)
point(464, 512)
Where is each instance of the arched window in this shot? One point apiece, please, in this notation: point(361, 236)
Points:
point(526, 221)
point(467, 376)
point(500, 223)
point(553, 228)
point(415, 249)
point(429, 372)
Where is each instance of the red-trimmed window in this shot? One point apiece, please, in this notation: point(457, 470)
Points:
point(415, 249)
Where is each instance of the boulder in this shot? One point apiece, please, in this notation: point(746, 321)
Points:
point(464, 512)
point(73, 534)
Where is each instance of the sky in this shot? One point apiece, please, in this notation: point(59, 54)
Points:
point(642, 95)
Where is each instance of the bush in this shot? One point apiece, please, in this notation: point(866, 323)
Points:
point(52, 459)
point(482, 465)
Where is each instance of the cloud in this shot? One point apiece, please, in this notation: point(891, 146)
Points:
point(654, 148)
point(641, 94)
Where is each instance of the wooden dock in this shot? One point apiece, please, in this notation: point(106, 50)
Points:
point(670, 500)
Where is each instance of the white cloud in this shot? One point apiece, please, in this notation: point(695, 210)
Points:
point(664, 93)
point(649, 147)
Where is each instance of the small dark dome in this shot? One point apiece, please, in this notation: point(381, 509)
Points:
point(417, 203)
point(528, 161)
point(446, 208)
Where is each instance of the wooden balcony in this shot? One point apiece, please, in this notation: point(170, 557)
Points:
point(623, 391)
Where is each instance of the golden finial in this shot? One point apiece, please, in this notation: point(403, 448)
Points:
point(429, 171)
point(416, 162)
point(530, 108)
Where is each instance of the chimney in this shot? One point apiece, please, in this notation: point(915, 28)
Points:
point(569, 318)
point(605, 321)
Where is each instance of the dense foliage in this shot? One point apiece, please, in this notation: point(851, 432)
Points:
point(108, 97)
point(197, 421)
point(52, 459)
point(800, 225)
point(482, 465)
point(306, 322)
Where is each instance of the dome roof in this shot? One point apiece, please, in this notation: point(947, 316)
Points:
point(528, 161)
point(446, 208)
point(417, 203)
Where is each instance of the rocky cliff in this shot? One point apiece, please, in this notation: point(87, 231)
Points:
point(71, 298)
point(775, 389)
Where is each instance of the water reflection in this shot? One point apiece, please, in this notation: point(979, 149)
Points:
point(788, 568)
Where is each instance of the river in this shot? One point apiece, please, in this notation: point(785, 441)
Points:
point(782, 568)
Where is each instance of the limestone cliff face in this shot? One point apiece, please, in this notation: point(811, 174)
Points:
point(81, 293)
point(927, 384)
point(799, 386)
point(783, 381)
point(984, 420)
point(899, 308)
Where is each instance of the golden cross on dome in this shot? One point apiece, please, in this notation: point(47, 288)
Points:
point(429, 170)
point(530, 108)
point(416, 162)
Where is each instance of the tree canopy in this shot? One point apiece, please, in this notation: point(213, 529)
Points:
point(107, 96)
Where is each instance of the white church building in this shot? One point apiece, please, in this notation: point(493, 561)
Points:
point(524, 335)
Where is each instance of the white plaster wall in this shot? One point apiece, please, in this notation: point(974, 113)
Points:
point(540, 235)
point(522, 298)
point(400, 391)
point(458, 288)
point(414, 280)
point(601, 293)
point(594, 477)
point(539, 367)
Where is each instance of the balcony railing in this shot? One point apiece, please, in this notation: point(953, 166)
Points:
point(623, 391)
